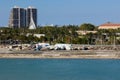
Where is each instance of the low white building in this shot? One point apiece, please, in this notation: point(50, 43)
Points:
point(39, 35)
point(35, 35)
point(85, 32)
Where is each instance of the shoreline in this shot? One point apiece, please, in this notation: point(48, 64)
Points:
point(62, 54)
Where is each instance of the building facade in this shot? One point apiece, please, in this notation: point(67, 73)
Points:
point(109, 26)
point(20, 17)
point(31, 13)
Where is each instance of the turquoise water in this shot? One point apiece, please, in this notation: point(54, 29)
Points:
point(59, 69)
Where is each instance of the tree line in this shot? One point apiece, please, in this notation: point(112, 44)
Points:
point(64, 34)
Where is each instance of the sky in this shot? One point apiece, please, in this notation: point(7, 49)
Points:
point(61, 12)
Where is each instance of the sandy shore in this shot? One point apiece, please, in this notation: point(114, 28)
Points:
point(62, 54)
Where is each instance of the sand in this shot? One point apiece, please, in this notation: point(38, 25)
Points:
point(79, 54)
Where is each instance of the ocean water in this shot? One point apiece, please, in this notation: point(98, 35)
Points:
point(59, 69)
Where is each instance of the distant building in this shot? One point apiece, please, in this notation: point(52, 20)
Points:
point(39, 35)
point(85, 32)
point(31, 17)
point(17, 18)
point(36, 35)
point(21, 17)
point(109, 26)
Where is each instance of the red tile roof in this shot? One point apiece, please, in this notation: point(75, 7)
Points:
point(110, 24)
